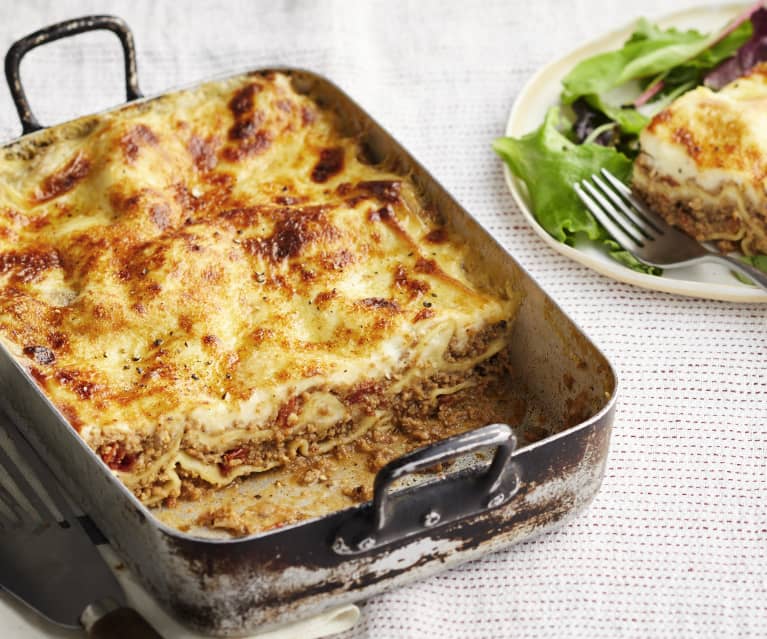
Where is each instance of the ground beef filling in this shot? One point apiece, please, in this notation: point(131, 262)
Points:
point(734, 225)
point(478, 343)
point(424, 413)
point(133, 454)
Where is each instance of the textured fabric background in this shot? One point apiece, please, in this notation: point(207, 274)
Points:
point(675, 544)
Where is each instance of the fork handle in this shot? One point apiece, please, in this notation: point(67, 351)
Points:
point(754, 274)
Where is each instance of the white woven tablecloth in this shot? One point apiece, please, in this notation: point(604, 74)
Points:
point(675, 544)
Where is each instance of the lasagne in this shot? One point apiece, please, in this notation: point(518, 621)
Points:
point(703, 164)
point(212, 283)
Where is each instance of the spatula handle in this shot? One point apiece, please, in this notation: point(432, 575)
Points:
point(121, 623)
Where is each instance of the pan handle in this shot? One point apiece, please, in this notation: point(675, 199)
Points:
point(400, 515)
point(57, 31)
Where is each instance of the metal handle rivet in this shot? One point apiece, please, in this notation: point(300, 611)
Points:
point(431, 518)
point(340, 547)
point(366, 544)
point(496, 501)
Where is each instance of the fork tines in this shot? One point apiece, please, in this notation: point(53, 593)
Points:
point(629, 221)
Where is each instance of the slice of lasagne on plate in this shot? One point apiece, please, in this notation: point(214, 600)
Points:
point(703, 164)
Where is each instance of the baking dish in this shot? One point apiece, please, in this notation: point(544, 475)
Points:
point(229, 587)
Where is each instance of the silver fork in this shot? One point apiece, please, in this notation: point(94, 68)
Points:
point(644, 234)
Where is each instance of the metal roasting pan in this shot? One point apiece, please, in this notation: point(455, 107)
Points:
point(229, 587)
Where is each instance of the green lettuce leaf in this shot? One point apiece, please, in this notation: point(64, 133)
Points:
point(663, 62)
point(549, 164)
point(648, 52)
point(629, 119)
point(757, 261)
point(694, 70)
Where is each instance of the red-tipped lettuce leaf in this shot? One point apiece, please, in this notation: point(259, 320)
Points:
point(750, 54)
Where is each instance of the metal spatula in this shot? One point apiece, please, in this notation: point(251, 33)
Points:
point(47, 558)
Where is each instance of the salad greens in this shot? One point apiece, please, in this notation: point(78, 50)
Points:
point(606, 101)
point(650, 52)
point(550, 164)
point(752, 52)
point(661, 64)
point(757, 261)
point(629, 119)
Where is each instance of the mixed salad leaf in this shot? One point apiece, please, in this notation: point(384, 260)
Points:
point(550, 164)
point(752, 52)
point(651, 53)
point(607, 100)
point(757, 261)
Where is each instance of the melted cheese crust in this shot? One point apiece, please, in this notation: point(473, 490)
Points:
point(218, 269)
point(703, 164)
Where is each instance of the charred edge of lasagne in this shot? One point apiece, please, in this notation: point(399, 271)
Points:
point(732, 223)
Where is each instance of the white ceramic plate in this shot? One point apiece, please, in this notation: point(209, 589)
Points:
point(542, 91)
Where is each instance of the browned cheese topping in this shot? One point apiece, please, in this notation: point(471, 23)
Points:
point(216, 282)
point(703, 164)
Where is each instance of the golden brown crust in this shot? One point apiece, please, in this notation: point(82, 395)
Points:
point(703, 165)
point(214, 280)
